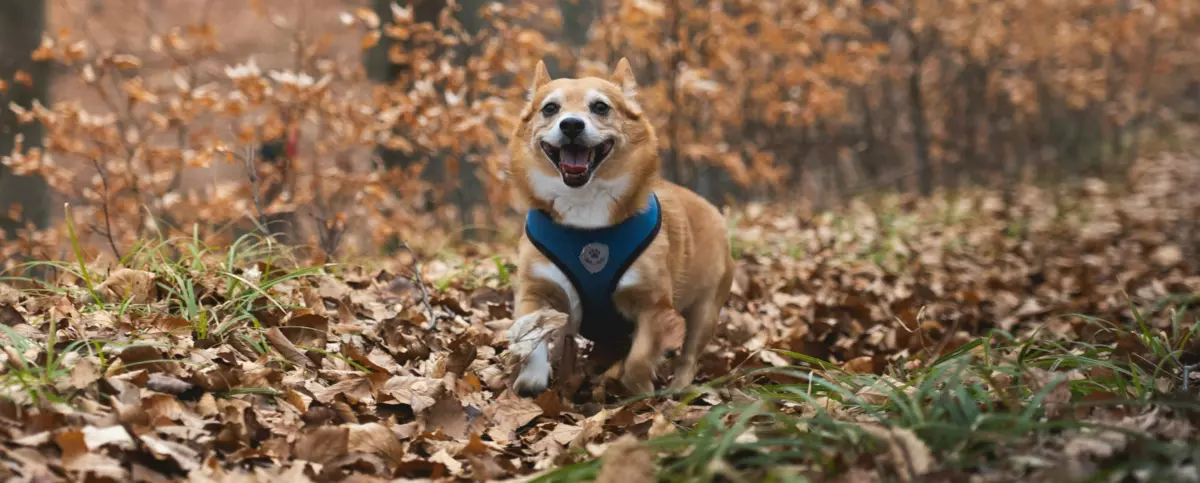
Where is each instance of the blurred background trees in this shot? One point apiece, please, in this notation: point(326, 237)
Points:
point(397, 111)
point(23, 81)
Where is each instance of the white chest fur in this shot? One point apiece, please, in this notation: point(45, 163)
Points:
point(589, 206)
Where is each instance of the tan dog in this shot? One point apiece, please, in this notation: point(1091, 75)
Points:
point(584, 159)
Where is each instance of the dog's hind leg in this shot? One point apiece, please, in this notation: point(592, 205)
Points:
point(701, 324)
point(702, 319)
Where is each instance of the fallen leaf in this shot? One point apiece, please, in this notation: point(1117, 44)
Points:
point(419, 392)
point(73, 445)
point(444, 458)
point(509, 414)
point(910, 457)
point(375, 438)
point(167, 384)
point(286, 348)
point(187, 458)
point(532, 329)
point(322, 444)
point(123, 284)
point(627, 461)
point(1167, 256)
point(84, 374)
point(10, 316)
point(355, 390)
point(96, 438)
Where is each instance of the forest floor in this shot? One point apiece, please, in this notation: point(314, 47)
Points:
point(1051, 338)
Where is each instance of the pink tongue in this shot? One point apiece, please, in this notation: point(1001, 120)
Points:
point(574, 161)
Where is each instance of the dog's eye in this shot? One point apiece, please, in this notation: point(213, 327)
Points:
point(600, 108)
point(549, 109)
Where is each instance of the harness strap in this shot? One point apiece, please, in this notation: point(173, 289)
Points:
point(594, 261)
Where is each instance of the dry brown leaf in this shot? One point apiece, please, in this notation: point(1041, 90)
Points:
point(9, 296)
point(453, 465)
point(532, 329)
point(98, 466)
point(509, 414)
point(323, 444)
point(187, 458)
point(72, 444)
point(84, 374)
point(419, 392)
point(375, 438)
point(859, 365)
point(137, 286)
point(285, 347)
point(307, 330)
point(1167, 256)
point(167, 384)
point(910, 457)
point(356, 389)
point(627, 461)
point(10, 316)
point(96, 438)
point(448, 415)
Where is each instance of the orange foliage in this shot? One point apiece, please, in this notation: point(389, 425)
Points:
point(749, 97)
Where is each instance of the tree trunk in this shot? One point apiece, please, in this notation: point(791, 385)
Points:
point(21, 25)
point(470, 189)
point(917, 117)
point(577, 16)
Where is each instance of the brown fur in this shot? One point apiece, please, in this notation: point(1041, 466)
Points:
point(687, 270)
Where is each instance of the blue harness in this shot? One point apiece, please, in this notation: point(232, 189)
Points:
point(594, 260)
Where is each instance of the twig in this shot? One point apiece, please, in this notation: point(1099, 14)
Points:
point(330, 234)
point(252, 172)
point(286, 348)
point(421, 284)
point(946, 338)
point(108, 232)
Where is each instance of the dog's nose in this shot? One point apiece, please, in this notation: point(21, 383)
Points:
point(571, 127)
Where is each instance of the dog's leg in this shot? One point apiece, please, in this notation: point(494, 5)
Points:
point(644, 354)
point(702, 320)
point(638, 368)
point(701, 324)
point(535, 376)
point(644, 296)
point(533, 295)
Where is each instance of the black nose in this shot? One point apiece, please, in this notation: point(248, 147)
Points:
point(572, 127)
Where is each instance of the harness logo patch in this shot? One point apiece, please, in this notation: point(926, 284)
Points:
point(594, 257)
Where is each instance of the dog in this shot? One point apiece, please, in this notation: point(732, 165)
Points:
point(638, 264)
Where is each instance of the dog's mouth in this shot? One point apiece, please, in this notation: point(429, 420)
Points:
point(576, 162)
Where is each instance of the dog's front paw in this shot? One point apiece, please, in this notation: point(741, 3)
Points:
point(638, 378)
point(535, 376)
point(530, 386)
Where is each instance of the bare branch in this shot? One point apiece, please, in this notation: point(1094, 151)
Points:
point(108, 231)
point(429, 313)
point(252, 172)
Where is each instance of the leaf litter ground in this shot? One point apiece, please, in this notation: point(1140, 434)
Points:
point(1050, 338)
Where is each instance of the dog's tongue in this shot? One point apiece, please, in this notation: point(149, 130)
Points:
point(574, 160)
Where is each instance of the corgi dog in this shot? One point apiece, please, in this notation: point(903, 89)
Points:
point(638, 264)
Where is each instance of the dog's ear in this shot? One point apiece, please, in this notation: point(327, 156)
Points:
point(622, 76)
point(540, 77)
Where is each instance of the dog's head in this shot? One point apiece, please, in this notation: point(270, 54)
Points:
point(582, 129)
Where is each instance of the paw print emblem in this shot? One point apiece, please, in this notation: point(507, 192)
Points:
point(594, 257)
